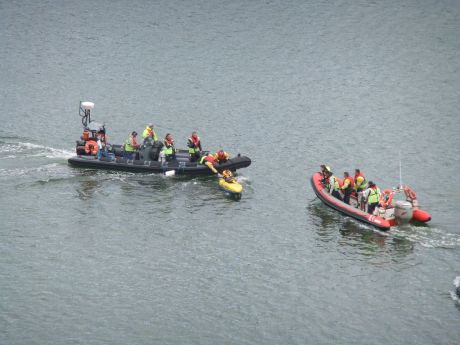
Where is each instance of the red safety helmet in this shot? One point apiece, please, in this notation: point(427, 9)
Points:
point(221, 154)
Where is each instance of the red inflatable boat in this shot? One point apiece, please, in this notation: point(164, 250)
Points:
point(388, 214)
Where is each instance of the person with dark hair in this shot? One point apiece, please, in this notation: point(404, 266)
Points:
point(372, 197)
point(169, 150)
point(194, 147)
point(333, 186)
point(131, 146)
point(324, 170)
point(348, 187)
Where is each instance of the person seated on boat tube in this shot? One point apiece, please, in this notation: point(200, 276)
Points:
point(333, 186)
point(324, 170)
point(221, 156)
point(149, 134)
point(169, 150)
point(101, 143)
point(131, 146)
point(372, 197)
point(347, 187)
point(194, 147)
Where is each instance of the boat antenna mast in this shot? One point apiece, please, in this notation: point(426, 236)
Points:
point(85, 113)
point(400, 172)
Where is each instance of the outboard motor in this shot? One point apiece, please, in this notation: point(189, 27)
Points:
point(403, 212)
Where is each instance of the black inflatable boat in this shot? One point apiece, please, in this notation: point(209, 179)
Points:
point(147, 159)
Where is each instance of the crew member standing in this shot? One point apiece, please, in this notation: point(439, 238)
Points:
point(348, 187)
point(149, 133)
point(372, 195)
point(360, 187)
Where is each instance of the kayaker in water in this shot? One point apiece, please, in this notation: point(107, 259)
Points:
point(372, 196)
point(131, 146)
point(348, 187)
point(194, 147)
point(168, 149)
point(228, 176)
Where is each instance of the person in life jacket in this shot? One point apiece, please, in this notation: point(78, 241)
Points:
point(131, 146)
point(360, 181)
point(149, 134)
point(372, 196)
point(333, 187)
point(194, 147)
point(324, 170)
point(360, 187)
point(348, 187)
point(228, 176)
point(169, 150)
point(209, 160)
point(221, 156)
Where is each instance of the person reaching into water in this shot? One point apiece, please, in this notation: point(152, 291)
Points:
point(209, 160)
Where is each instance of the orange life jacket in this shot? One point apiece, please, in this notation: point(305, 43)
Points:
point(351, 182)
point(358, 175)
point(91, 147)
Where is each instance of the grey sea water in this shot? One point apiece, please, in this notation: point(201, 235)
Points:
point(96, 257)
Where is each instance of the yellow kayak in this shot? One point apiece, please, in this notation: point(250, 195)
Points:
point(231, 187)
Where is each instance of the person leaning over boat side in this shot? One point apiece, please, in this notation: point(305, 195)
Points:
point(194, 147)
point(169, 150)
point(360, 187)
point(348, 187)
point(131, 146)
point(149, 134)
point(221, 156)
point(333, 186)
point(209, 160)
point(372, 196)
